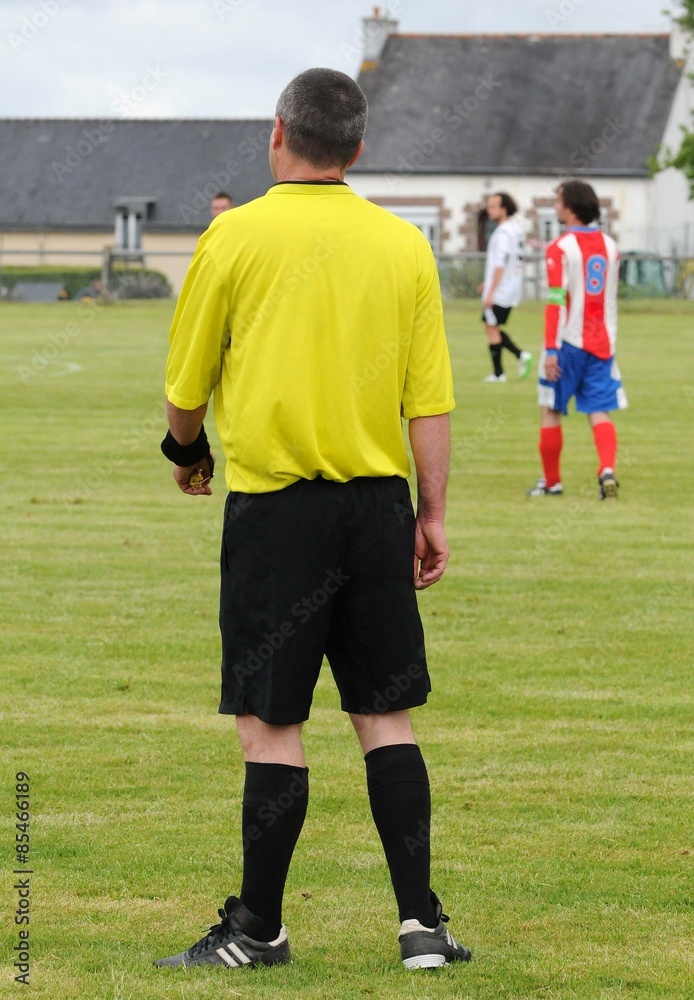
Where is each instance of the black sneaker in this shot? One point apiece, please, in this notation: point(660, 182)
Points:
point(427, 947)
point(231, 942)
point(608, 485)
point(541, 489)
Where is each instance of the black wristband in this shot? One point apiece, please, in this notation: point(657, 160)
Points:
point(186, 454)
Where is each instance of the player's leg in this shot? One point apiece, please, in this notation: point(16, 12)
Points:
point(269, 669)
point(605, 438)
point(524, 358)
point(552, 398)
point(600, 392)
point(491, 329)
point(275, 799)
point(400, 801)
point(377, 656)
point(550, 447)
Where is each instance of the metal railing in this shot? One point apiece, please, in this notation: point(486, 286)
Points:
point(642, 275)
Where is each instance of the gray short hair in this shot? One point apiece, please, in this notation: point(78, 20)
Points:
point(324, 116)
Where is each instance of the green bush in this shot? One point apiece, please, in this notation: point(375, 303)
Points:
point(128, 282)
point(460, 277)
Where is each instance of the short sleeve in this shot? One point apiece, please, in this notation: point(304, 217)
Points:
point(199, 334)
point(428, 389)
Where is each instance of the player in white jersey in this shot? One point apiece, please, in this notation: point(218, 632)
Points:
point(503, 281)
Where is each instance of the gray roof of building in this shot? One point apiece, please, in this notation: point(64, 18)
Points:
point(71, 173)
point(518, 104)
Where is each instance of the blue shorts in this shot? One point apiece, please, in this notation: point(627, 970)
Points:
point(595, 382)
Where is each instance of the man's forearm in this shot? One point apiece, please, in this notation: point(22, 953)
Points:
point(185, 424)
point(430, 438)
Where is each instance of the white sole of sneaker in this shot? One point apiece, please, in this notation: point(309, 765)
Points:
point(424, 961)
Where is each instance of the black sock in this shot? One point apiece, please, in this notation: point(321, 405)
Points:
point(275, 798)
point(401, 806)
point(509, 345)
point(495, 351)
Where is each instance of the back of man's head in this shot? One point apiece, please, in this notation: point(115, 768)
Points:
point(581, 199)
point(507, 203)
point(323, 113)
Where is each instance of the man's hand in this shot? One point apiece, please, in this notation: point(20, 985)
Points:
point(182, 476)
point(488, 302)
point(431, 553)
point(552, 369)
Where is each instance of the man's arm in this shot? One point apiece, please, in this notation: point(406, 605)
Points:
point(496, 278)
point(185, 426)
point(556, 299)
point(430, 438)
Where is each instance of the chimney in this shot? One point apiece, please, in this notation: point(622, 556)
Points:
point(680, 43)
point(375, 32)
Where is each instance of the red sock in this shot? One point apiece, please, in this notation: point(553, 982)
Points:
point(550, 449)
point(606, 443)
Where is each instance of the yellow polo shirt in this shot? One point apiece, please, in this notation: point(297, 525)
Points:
point(316, 318)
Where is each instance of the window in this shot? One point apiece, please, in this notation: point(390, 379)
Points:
point(548, 225)
point(131, 214)
point(427, 218)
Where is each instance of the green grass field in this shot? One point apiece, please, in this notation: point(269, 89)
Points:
point(558, 735)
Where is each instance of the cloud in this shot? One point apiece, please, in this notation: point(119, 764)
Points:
point(229, 58)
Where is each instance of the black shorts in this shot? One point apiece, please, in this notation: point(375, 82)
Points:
point(320, 568)
point(502, 314)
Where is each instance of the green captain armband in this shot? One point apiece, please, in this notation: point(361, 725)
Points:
point(556, 296)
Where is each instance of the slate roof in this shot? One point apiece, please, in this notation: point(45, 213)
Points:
point(535, 103)
point(69, 173)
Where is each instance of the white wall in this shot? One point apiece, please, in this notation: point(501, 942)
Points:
point(633, 198)
point(672, 211)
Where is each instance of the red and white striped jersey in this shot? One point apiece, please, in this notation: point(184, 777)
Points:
point(582, 278)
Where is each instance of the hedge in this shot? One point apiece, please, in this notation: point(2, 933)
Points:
point(128, 282)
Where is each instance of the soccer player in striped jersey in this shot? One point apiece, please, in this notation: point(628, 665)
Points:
point(580, 334)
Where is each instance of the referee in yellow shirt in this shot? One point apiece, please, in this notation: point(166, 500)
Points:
point(315, 317)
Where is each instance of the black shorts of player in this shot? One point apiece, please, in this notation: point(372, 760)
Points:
point(502, 314)
point(320, 568)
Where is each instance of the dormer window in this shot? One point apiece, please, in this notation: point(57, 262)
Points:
point(131, 214)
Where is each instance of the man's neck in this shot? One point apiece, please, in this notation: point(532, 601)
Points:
point(311, 177)
point(299, 170)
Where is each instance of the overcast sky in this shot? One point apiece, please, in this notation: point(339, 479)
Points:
point(231, 58)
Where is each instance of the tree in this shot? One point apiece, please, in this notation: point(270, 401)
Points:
point(683, 159)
